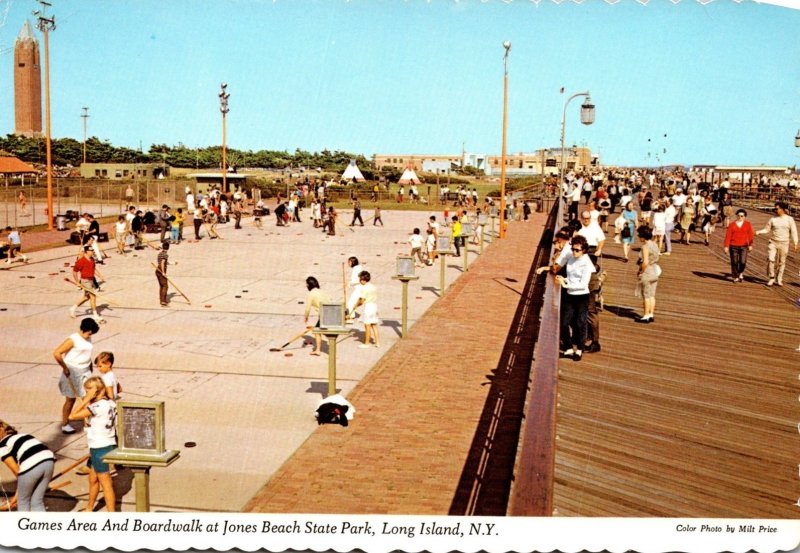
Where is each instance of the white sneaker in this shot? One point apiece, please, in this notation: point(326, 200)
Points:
point(98, 318)
point(569, 353)
point(770, 282)
point(72, 311)
point(779, 283)
point(68, 429)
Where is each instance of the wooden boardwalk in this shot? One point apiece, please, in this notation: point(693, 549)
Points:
point(696, 414)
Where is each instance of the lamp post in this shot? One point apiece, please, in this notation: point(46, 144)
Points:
point(85, 116)
point(507, 46)
point(223, 107)
point(45, 25)
point(587, 118)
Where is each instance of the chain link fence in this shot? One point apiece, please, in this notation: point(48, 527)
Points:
point(26, 206)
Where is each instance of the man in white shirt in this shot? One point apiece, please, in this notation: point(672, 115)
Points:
point(781, 229)
point(591, 230)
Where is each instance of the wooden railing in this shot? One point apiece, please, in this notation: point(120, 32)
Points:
point(532, 489)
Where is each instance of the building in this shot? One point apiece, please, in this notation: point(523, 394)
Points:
point(413, 161)
point(27, 84)
point(544, 161)
point(15, 170)
point(124, 171)
point(215, 180)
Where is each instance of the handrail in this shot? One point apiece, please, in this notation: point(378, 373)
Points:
point(532, 491)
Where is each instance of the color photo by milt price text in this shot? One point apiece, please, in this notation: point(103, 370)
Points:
point(730, 529)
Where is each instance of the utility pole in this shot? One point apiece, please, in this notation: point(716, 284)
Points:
point(85, 117)
point(223, 107)
point(45, 25)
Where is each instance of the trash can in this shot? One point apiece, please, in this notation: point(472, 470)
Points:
point(61, 222)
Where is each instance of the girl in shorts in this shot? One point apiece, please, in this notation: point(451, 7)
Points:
point(102, 437)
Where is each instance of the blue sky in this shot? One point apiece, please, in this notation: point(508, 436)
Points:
point(721, 80)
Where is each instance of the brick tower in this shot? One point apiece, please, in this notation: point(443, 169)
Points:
point(27, 84)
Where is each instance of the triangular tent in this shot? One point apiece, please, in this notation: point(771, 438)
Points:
point(352, 172)
point(409, 177)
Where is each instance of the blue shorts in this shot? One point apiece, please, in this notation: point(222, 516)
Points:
point(96, 458)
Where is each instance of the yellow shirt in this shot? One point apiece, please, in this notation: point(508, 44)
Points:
point(315, 299)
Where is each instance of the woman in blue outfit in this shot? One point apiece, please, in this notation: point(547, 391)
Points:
point(629, 230)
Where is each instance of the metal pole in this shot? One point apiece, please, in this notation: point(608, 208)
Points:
point(45, 26)
point(563, 126)
point(466, 251)
point(507, 46)
point(85, 117)
point(483, 231)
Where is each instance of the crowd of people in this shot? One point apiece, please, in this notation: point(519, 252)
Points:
point(652, 207)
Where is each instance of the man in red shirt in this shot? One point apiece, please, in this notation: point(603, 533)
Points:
point(83, 274)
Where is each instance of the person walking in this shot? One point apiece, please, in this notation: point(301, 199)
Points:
point(31, 462)
point(457, 235)
point(781, 230)
point(120, 233)
point(628, 229)
point(416, 242)
point(575, 307)
point(83, 273)
point(357, 213)
point(649, 272)
point(74, 356)
point(738, 242)
point(23, 203)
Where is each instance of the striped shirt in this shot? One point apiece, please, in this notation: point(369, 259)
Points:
point(26, 450)
point(163, 256)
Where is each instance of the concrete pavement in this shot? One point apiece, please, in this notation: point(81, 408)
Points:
point(246, 408)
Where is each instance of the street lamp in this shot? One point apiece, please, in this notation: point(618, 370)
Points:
point(507, 46)
point(223, 107)
point(45, 25)
point(85, 116)
point(587, 118)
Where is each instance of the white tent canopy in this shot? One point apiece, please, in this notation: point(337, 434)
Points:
point(352, 172)
point(408, 177)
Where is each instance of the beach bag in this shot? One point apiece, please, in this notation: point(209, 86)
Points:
point(626, 231)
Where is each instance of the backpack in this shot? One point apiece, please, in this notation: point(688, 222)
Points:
point(332, 413)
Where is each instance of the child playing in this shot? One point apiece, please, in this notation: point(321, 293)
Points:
point(14, 246)
point(416, 247)
point(430, 246)
point(377, 217)
point(120, 232)
point(101, 435)
point(105, 365)
point(176, 227)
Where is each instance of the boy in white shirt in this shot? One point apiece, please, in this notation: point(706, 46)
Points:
point(416, 246)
